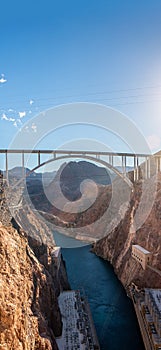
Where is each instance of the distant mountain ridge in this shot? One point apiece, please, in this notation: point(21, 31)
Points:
point(66, 182)
point(17, 173)
point(70, 183)
point(74, 173)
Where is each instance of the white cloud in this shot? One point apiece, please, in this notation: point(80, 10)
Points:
point(34, 127)
point(26, 128)
point(4, 117)
point(153, 141)
point(11, 116)
point(22, 114)
point(31, 102)
point(19, 121)
point(2, 79)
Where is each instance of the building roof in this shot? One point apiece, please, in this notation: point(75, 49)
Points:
point(141, 249)
point(156, 295)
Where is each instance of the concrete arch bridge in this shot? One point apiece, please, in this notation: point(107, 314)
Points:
point(143, 165)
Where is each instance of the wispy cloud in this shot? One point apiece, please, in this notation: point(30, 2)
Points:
point(27, 128)
point(2, 79)
point(4, 117)
point(13, 117)
point(22, 114)
point(34, 127)
point(16, 117)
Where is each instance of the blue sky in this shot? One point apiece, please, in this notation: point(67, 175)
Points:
point(55, 52)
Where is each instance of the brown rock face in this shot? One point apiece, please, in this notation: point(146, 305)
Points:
point(30, 282)
point(29, 312)
point(117, 245)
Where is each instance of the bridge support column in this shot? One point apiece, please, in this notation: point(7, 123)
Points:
point(23, 165)
point(6, 166)
point(54, 155)
point(39, 160)
point(149, 174)
point(111, 160)
point(136, 168)
point(124, 165)
point(157, 164)
point(146, 168)
point(147, 163)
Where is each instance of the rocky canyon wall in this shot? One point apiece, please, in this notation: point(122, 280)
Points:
point(30, 282)
point(116, 247)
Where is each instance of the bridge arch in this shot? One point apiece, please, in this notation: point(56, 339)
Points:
point(94, 159)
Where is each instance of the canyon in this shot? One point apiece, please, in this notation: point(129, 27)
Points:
point(30, 278)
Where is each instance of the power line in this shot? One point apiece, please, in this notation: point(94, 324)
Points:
point(92, 94)
point(100, 100)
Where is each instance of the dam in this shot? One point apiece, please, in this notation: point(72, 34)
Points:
point(78, 327)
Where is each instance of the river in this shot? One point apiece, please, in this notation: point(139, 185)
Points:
point(112, 310)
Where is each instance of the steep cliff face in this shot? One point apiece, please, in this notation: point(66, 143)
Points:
point(30, 282)
point(28, 302)
point(116, 247)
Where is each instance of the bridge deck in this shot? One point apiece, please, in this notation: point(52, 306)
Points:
point(74, 152)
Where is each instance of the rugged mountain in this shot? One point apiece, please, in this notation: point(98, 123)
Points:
point(76, 183)
point(30, 280)
point(94, 214)
point(74, 173)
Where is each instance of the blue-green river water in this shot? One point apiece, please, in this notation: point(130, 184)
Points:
point(112, 310)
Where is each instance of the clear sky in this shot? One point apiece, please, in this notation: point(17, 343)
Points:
point(59, 51)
